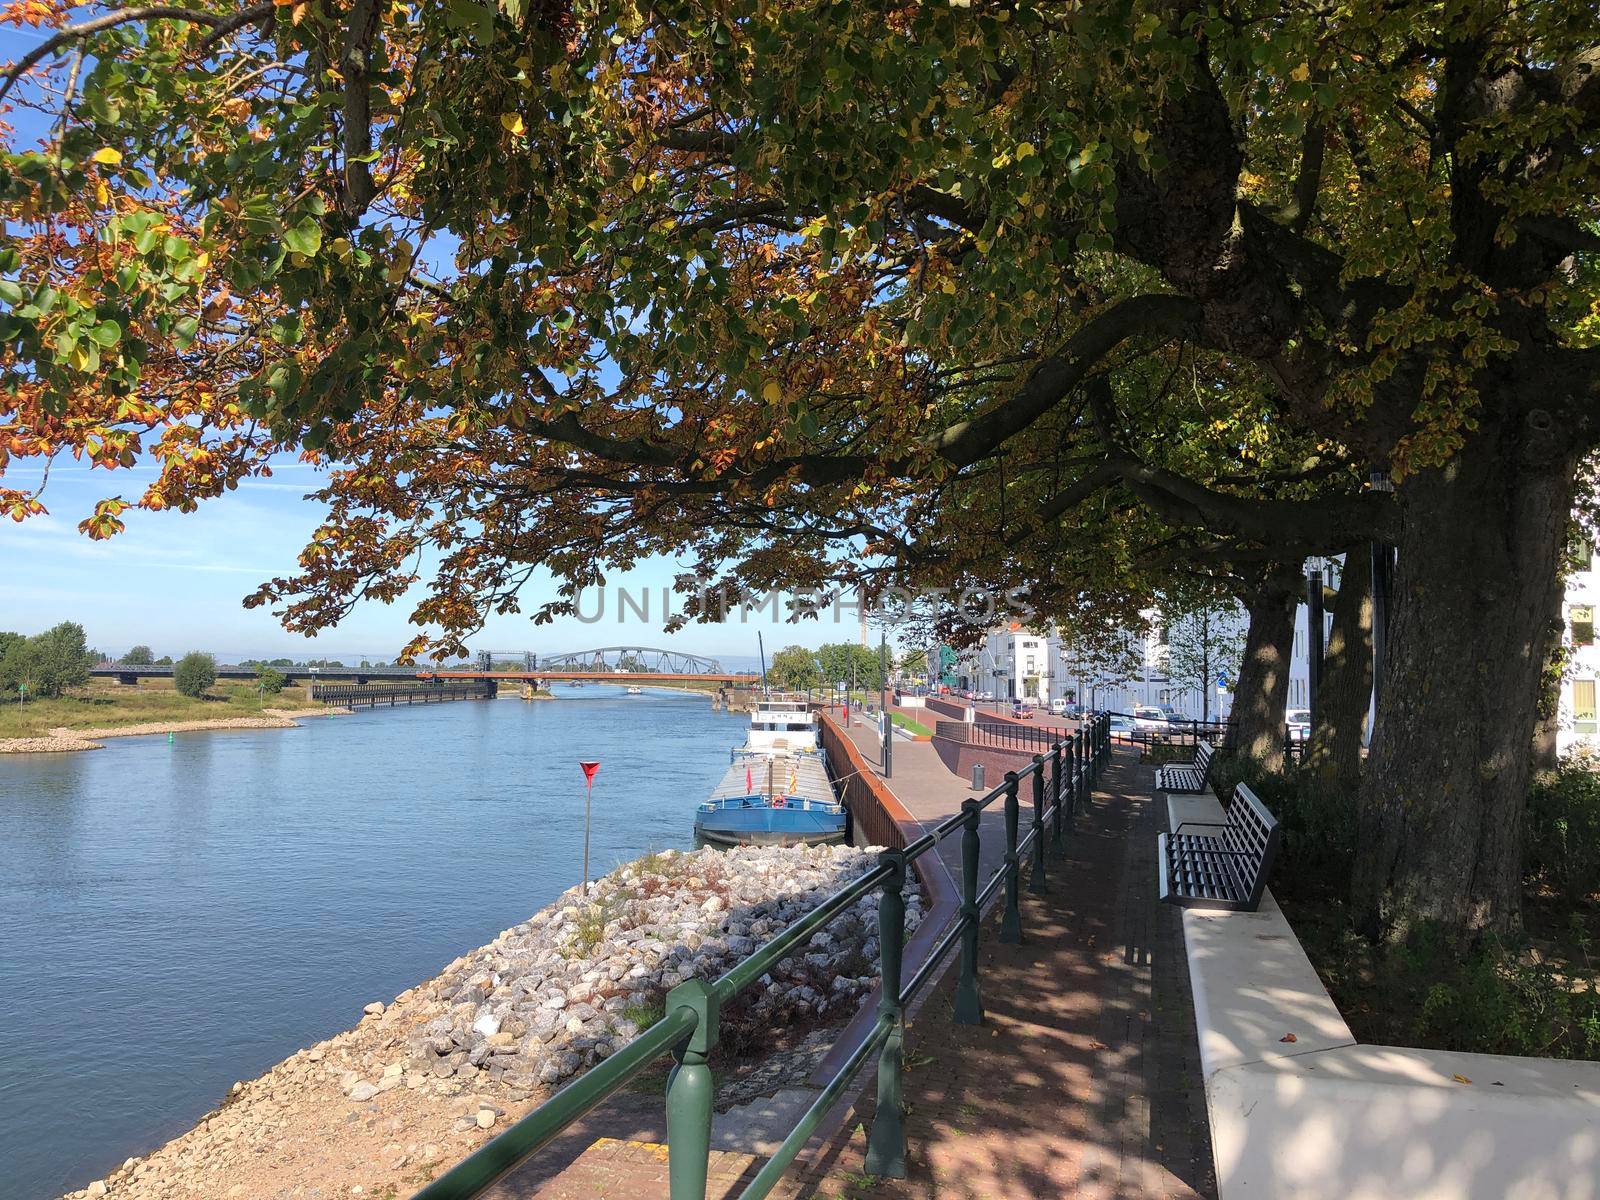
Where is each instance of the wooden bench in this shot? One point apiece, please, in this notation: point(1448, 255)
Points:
point(1226, 868)
point(1191, 777)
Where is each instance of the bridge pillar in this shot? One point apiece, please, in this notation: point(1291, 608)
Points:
point(128, 678)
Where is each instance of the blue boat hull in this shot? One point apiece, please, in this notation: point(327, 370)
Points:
point(764, 825)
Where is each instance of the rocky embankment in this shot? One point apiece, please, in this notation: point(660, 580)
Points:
point(420, 1082)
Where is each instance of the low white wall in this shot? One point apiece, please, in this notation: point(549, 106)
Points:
point(1323, 1117)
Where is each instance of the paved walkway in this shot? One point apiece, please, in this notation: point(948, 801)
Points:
point(1084, 1082)
point(930, 793)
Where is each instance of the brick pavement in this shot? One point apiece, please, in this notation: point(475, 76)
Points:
point(1084, 1082)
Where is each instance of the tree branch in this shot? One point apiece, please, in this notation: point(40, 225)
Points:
point(354, 64)
point(153, 12)
point(1170, 316)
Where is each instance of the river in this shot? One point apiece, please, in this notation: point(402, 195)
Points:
point(177, 917)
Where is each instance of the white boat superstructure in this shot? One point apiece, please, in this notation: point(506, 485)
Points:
point(782, 724)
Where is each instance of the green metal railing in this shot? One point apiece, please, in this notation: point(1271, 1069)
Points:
point(1060, 782)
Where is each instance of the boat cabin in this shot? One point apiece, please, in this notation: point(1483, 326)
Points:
point(782, 723)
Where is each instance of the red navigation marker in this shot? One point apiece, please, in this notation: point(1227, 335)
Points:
point(589, 768)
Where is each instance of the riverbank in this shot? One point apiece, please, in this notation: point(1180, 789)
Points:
point(418, 1083)
point(62, 739)
point(104, 708)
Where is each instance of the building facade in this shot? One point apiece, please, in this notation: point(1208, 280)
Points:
point(1577, 727)
point(1017, 663)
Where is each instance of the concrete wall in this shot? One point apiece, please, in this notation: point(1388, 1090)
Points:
point(1322, 1117)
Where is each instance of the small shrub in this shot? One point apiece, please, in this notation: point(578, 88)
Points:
point(269, 681)
point(194, 673)
point(645, 1015)
point(589, 927)
point(1561, 844)
point(1319, 824)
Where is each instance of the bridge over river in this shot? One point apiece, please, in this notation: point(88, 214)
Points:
point(615, 664)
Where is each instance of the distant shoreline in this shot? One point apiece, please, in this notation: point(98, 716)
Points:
point(63, 740)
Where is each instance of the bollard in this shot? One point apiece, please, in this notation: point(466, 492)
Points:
point(977, 777)
point(969, 1005)
point(1011, 922)
point(1037, 883)
point(1056, 790)
point(690, 1091)
point(886, 1145)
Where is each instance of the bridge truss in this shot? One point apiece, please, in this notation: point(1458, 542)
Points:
point(639, 660)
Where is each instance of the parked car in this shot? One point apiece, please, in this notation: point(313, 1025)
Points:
point(1023, 712)
point(1299, 722)
point(1059, 707)
point(986, 695)
point(1175, 716)
point(1121, 723)
point(1147, 718)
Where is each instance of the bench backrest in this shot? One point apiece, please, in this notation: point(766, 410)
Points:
point(1253, 833)
point(1202, 757)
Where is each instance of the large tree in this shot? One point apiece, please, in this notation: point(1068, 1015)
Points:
point(820, 295)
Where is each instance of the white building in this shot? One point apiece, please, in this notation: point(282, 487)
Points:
point(1016, 663)
point(1577, 713)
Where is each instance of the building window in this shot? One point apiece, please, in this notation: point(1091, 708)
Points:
point(1582, 626)
point(1583, 717)
point(1582, 555)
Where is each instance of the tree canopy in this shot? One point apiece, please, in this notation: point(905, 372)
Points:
point(592, 281)
point(46, 664)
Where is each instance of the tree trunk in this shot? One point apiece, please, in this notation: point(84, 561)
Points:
point(1548, 723)
point(1442, 798)
point(1263, 688)
point(1333, 753)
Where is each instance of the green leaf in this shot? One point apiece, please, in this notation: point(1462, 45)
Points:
point(107, 333)
point(305, 238)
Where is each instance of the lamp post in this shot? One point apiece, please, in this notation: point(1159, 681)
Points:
point(883, 704)
point(1382, 582)
point(1314, 650)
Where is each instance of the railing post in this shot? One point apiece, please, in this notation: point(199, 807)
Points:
point(969, 1005)
point(1056, 789)
point(886, 1145)
point(690, 1091)
point(1080, 776)
point(1011, 922)
point(1037, 883)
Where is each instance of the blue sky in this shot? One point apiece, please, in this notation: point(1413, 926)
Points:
point(175, 582)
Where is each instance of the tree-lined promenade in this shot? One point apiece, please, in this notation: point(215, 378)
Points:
point(1094, 303)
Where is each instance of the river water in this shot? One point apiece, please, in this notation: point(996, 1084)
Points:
point(177, 917)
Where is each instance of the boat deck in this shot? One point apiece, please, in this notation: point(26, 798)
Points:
point(807, 770)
